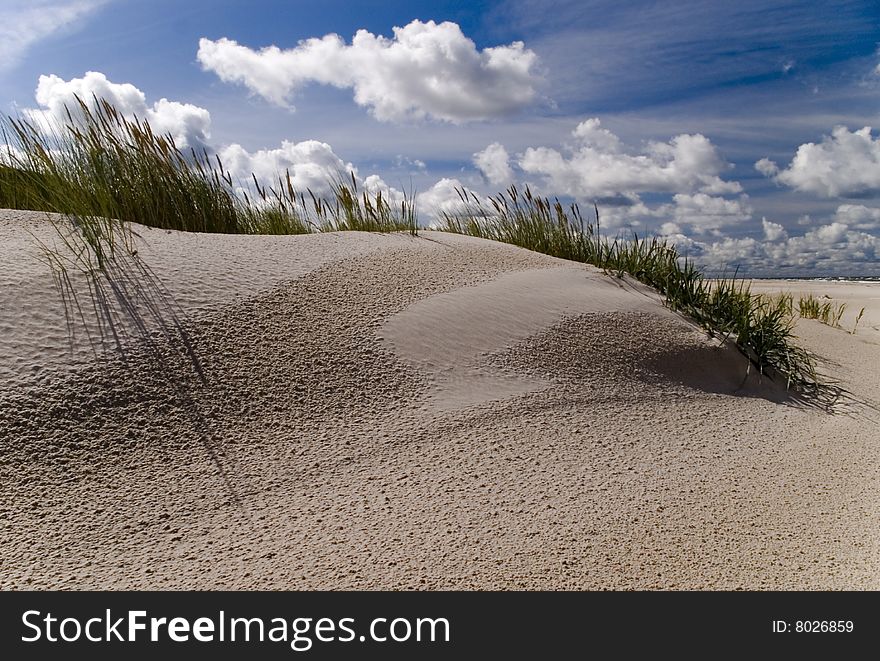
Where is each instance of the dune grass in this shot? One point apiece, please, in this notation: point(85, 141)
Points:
point(826, 311)
point(101, 165)
point(858, 319)
point(760, 327)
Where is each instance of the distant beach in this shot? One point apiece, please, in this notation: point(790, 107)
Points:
point(867, 279)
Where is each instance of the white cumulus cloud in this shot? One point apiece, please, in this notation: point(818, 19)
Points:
point(709, 213)
point(767, 167)
point(858, 216)
point(312, 164)
point(844, 164)
point(188, 124)
point(832, 249)
point(443, 198)
point(427, 70)
point(599, 165)
point(374, 184)
point(773, 231)
point(494, 163)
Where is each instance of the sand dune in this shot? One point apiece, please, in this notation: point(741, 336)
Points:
point(373, 411)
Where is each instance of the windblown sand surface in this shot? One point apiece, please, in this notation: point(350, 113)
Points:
point(371, 411)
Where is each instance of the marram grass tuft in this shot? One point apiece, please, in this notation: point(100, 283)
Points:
point(760, 327)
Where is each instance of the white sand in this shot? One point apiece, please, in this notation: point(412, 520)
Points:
point(366, 411)
point(200, 273)
point(448, 335)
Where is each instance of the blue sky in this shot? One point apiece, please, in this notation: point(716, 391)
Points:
point(734, 129)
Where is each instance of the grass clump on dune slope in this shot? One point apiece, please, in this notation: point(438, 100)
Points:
point(828, 312)
point(101, 165)
point(760, 327)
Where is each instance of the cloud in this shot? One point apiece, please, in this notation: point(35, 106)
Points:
point(858, 216)
point(591, 134)
point(25, 22)
point(413, 165)
point(669, 229)
point(599, 165)
point(443, 198)
point(709, 213)
point(839, 247)
point(374, 184)
point(832, 249)
point(844, 164)
point(494, 163)
point(188, 124)
point(427, 70)
point(312, 164)
point(696, 213)
point(773, 231)
point(767, 167)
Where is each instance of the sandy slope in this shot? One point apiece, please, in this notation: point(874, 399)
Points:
point(364, 411)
